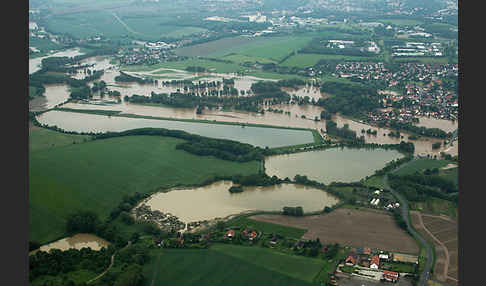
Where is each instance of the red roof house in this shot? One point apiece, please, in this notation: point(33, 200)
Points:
point(390, 276)
point(375, 262)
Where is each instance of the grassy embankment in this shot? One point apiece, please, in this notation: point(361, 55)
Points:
point(95, 175)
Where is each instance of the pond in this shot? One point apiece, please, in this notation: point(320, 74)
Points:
point(215, 201)
point(77, 241)
point(257, 136)
point(330, 165)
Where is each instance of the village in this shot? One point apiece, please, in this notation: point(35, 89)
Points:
point(417, 90)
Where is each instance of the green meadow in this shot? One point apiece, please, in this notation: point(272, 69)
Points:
point(95, 175)
point(229, 264)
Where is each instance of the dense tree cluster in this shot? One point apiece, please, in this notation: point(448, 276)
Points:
point(293, 211)
point(124, 77)
point(349, 99)
point(56, 262)
point(421, 130)
point(419, 187)
point(343, 132)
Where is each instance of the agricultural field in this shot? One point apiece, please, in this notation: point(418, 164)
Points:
point(350, 227)
point(248, 222)
point(237, 58)
point(308, 60)
point(436, 206)
point(401, 22)
point(229, 264)
point(270, 48)
point(420, 165)
point(442, 232)
point(40, 139)
point(99, 173)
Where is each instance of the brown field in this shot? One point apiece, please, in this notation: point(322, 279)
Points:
point(444, 230)
point(356, 228)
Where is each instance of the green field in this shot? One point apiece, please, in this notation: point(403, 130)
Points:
point(40, 138)
point(309, 60)
point(421, 165)
point(271, 48)
point(229, 264)
point(237, 58)
point(246, 222)
point(436, 206)
point(95, 175)
point(401, 22)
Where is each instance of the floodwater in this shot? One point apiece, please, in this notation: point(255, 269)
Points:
point(431, 122)
point(215, 201)
point(423, 146)
point(54, 95)
point(34, 64)
point(257, 136)
point(330, 165)
point(77, 241)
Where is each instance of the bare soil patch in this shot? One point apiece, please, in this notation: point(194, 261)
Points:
point(357, 228)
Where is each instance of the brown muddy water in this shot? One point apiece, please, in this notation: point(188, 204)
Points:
point(330, 165)
point(34, 64)
point(215, 201)
point(77, 241)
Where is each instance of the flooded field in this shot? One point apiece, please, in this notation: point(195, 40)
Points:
point(257, 136)
point(331, 165)
point(54, 95)
point(34, 64)
point(423, 146)
point(430, 122)
point(215, 201)
point(77, 241)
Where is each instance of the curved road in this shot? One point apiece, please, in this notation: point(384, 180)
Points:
point(424, 276)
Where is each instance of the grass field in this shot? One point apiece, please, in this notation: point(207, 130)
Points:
point(309, 60)
point(229, 264)
point(95, 175)
point(270, 48)
point(436, 206)
point(266, 227)
point(401, 22)
point(421, 165)
point(40, 138)
point(237, 58)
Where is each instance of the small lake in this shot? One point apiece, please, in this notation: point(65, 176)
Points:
point(330, 165)
point(257, 136)
point(215, 201)
point(77, 241)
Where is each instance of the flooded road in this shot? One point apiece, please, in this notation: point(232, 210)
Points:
point(215, 201)
point(330, 165)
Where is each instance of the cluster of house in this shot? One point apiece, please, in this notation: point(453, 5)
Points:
point(165, 221)
point(251, 235)
point(364, 258)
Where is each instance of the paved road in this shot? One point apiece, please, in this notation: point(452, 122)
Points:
point(425, 275)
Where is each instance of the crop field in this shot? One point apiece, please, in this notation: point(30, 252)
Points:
point(87, 24)
point(41, 138)
point(266, 227)
point(308, 60)
point(421, 165)
point(95, 175)
point(350, 227)
point(229, 264)
point(444, 230)
point(237, 58)
point(271, 48)
point(401, 22)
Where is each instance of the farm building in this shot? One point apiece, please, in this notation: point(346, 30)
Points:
point(407, 258)
point(383, 256)
point(367, 250)
point(350, 260)
point(390, 276)
point(230, 233)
